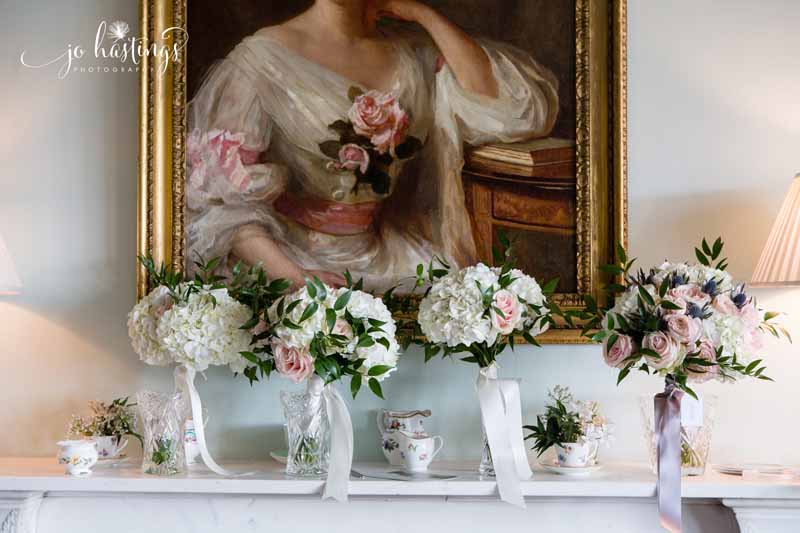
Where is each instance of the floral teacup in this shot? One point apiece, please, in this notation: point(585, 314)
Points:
point(110, 447)
point(78, 456)
point(574, 454)
point(408, 421)
point(416, 451)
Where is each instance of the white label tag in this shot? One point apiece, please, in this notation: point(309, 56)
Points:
point(691, 411)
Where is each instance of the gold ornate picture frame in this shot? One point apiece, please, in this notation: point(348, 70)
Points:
point(600, 145)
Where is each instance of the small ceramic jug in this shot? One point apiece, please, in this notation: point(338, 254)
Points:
point(417, 451)
point(408, 421)
point(110, 447)
point(78, 456)
point(574, 454)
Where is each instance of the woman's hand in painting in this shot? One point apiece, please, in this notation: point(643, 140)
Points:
point(408, 10)
point(328, 278)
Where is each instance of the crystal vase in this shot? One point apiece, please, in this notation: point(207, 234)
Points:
point(695, 435)
point(486, 468)
point(162, 419)
point(307, 432)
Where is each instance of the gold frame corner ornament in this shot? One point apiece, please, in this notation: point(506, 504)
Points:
point(601, 138)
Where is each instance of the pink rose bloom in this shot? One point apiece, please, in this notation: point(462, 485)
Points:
point(292, 363)
point(341, 327)
point(511, 310)
point(379, 116)
point(622, 349)
point(664, 346)
point(701, 374)
point(689, 293)
point(684, 329)
point(723, 304)
point(352, 157)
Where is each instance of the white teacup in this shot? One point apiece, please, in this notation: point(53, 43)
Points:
point(574, 454)
point(78, 456)
point(110, 447)
point(417, 451)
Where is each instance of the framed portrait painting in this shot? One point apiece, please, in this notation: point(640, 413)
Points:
point(321, 136)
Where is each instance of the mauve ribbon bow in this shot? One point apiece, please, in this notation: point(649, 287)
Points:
point(668, 446)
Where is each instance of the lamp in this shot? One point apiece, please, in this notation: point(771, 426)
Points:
point(10, 283)
point(779, 265)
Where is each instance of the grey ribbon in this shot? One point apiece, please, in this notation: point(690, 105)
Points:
point(668, 446)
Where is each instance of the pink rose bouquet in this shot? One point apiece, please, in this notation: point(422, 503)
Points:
point(687, 322)
point(373, 137)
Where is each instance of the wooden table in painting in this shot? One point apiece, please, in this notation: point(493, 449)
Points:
point(527, 190)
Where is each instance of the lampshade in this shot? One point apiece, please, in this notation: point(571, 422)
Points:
point(779, 264)
point(9, 280)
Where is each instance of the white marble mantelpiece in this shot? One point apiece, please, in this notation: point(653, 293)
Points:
point(26, 484)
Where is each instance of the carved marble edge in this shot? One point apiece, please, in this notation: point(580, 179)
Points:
point(19, 511)
point(756, 515)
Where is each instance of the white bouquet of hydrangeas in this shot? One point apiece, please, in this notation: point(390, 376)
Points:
point(328, 333)
point(477, 311)
point(319, 335)
point(197, 324)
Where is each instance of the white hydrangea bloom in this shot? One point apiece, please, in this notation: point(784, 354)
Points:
point(365, 306)
point(526, 288)
point(453, 312)
point(142, 324)
point(205, 330)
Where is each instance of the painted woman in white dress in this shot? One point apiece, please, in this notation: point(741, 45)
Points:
point(322, 145)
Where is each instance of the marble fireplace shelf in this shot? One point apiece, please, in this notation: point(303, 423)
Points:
point(267, 478)
point(26, 482)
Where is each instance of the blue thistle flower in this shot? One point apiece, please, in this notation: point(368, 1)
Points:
point(739, 297)
point(677, 279)
point(695, 311)
point(710, 287)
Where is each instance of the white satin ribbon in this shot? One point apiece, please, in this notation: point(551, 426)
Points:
point(341, 454)
point(501, 413)
point(184, 381)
